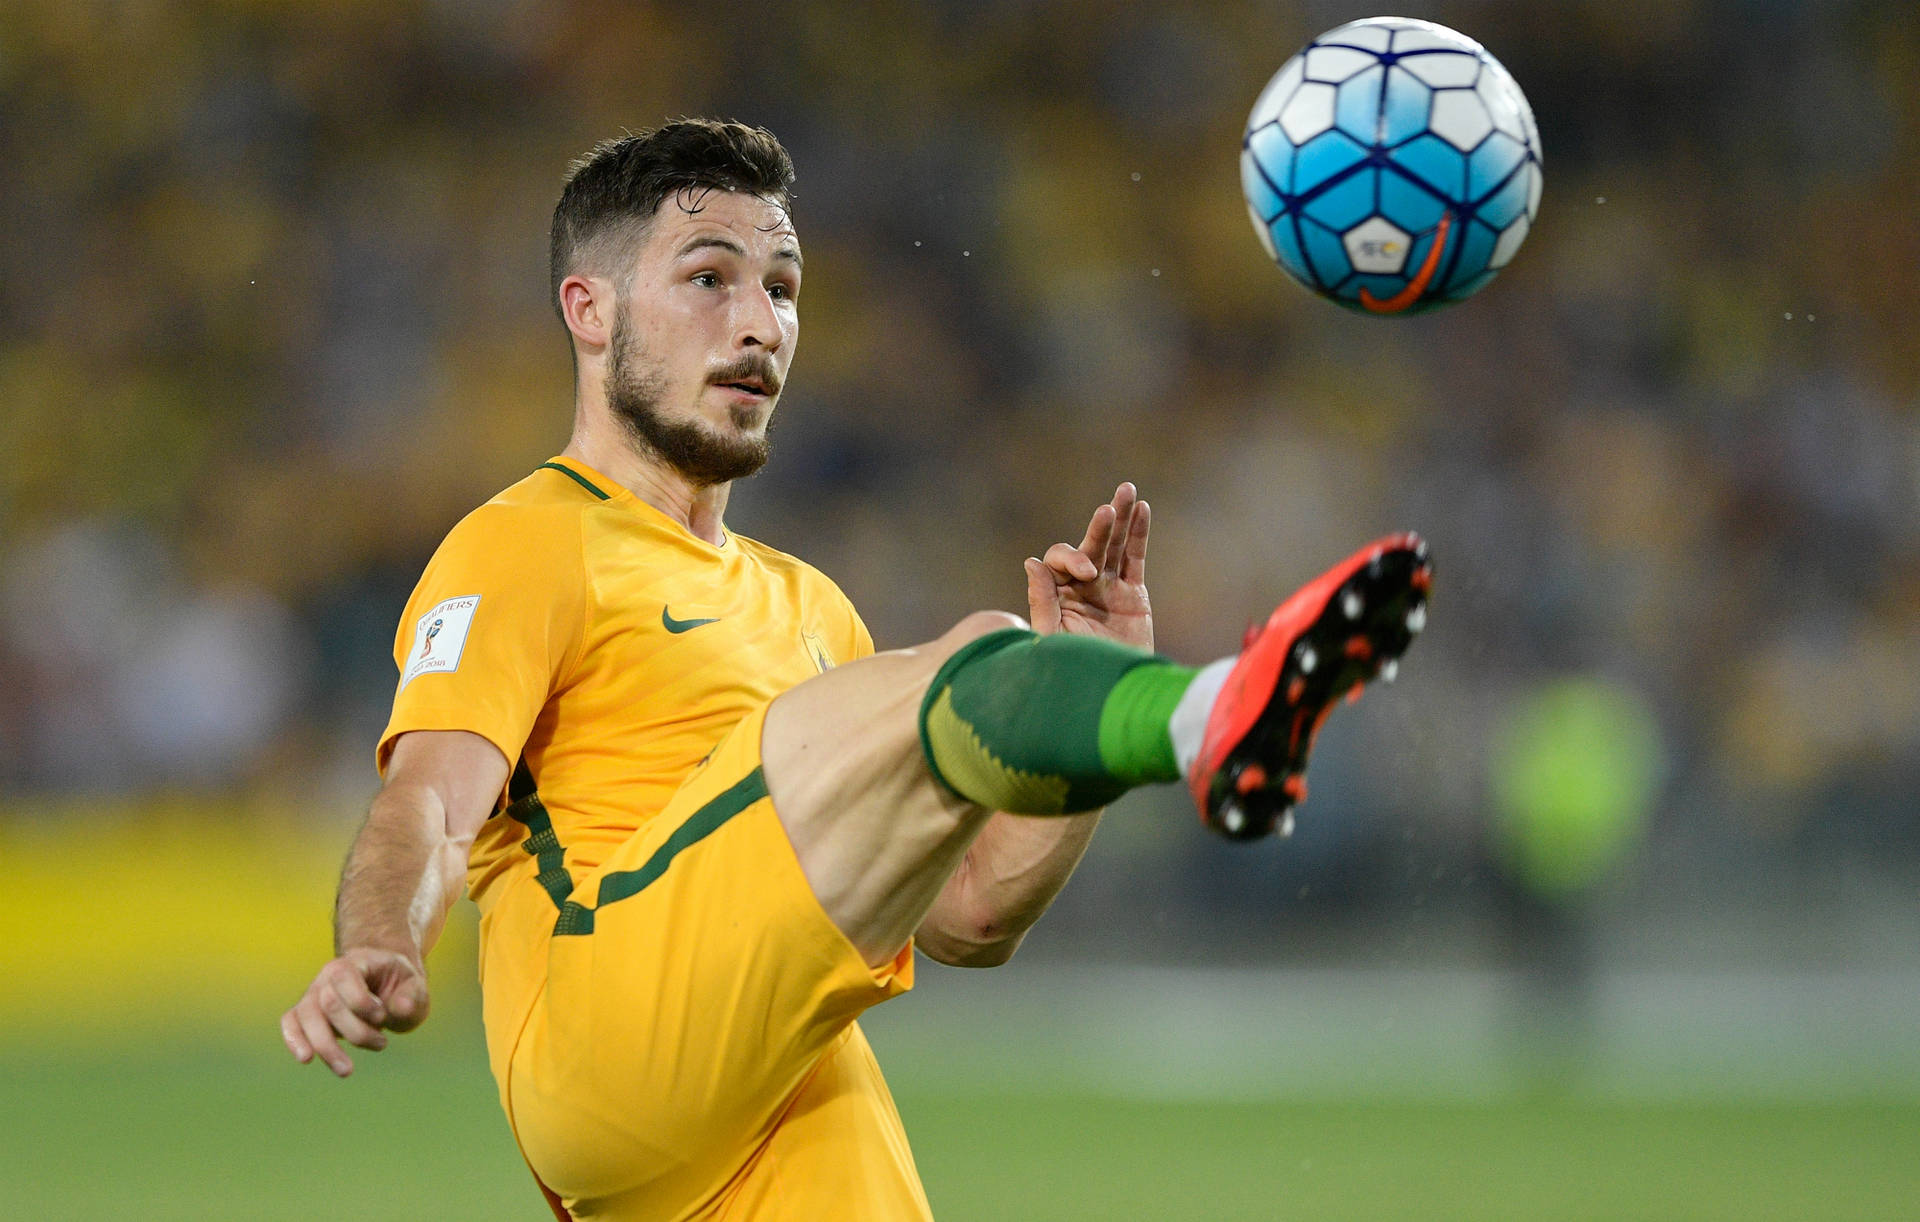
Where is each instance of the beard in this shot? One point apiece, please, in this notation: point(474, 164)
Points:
point(703, 454)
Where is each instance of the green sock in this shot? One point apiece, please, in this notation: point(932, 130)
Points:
point(1050, 725)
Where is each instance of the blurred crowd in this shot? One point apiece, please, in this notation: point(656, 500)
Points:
point(273, 316)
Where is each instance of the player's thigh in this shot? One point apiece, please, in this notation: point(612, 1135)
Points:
point(690, 1000)
point(876, 835)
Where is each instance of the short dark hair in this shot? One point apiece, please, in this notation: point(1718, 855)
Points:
point(612, 193)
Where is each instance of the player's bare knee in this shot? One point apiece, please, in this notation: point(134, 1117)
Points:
point(977, 625)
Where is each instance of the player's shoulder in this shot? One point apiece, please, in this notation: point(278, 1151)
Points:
point(539, 513)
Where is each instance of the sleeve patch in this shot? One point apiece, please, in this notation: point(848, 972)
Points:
point(439, 638)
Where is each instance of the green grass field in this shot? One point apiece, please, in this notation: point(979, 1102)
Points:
point(238, 1133)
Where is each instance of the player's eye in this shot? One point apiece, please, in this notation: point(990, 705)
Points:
point(780, 292)
point(707, 280)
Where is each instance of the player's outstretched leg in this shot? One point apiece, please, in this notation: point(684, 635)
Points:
point(1059, 724)
point(885, 770)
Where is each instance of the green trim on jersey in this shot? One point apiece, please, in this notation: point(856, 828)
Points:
point(547, 851)
point(575, 476)
point(699, 825)
point(576, 918)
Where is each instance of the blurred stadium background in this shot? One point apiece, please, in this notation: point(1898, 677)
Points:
point(1606, 910)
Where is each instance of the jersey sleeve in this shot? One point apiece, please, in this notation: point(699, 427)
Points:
point(493, 627)
point(858, 642)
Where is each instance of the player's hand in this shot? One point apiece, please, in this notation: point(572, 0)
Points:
point(1100, 587)
point(353, 998)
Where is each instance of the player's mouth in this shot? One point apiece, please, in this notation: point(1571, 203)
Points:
point(754, 385)
point(752, 392)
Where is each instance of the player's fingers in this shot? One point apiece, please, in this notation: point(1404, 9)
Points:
point(1071, 563)
point(1125, 497)
point(1099, 531)
point(345, 980)
point(406, 1002)
point(294, 1038)
point(321, 1038)
point(352, 1028)
point(1043, 597)
point(1134, 567)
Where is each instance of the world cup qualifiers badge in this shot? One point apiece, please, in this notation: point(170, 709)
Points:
point(433, 630)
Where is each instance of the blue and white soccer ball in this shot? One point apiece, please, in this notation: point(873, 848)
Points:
point(1393, 166)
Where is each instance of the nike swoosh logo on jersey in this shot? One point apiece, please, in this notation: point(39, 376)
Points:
point(682, 625)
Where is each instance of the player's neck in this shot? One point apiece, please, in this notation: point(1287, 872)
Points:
point(699, 508)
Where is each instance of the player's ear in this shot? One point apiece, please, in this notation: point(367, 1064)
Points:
point(587, 305)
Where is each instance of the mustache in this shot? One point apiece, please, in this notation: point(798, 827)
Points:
point(756, 366)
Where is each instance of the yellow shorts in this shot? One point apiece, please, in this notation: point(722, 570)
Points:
point(692, 1052)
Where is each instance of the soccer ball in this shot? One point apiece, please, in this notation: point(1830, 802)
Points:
point(1392, 166)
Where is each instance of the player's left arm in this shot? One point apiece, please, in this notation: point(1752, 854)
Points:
point(1017, 865)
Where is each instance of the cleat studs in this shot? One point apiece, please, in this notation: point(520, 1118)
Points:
point(1296, 689)
point(1351, 604)
point(1417, 617)
point(1359, 647)
point(1285, 827)
point(1295, 787)
point(1306, 658)
point(1389, 670)
point(1232, 818)
point(1422, 580)
point(1252, 777)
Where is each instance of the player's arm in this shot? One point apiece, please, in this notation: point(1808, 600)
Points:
point(403, 874)
point(1017, 865)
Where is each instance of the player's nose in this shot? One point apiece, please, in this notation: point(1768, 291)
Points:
point(757, 322)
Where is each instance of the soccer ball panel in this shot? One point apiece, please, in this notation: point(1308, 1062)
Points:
point(1460, 118)
point(1503, 106)
point(1475, 244)
point(1506, 205)
point(1323, 158)
point(1409, 205)
point(1357, 110)
point(1308, 112)
point(1346, 204)
point(1416, 35)
point(1271, 154)
point(1377, 246)
point(1284, 237)
point(1375, 34)
point(1436, 163)
point(1263, 230)
point(1405, 110)
point(1262, 200)
point(1535, 179)
point(1267, 108)
point(1336, 64)
point(1509, 243)
point(1443, 68)
point(1325, 254)
point(1533, 129)
point(1490, 164)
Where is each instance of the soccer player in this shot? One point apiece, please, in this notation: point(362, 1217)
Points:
point(705, 824)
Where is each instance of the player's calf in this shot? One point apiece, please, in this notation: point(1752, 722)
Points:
point(1060, 724)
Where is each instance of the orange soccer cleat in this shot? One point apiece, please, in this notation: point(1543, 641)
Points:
point(1347, 626)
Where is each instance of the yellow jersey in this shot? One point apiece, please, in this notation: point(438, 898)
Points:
point(604, 649)
point(607, 651)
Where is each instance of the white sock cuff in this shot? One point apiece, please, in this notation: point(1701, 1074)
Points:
point(1188, 729)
